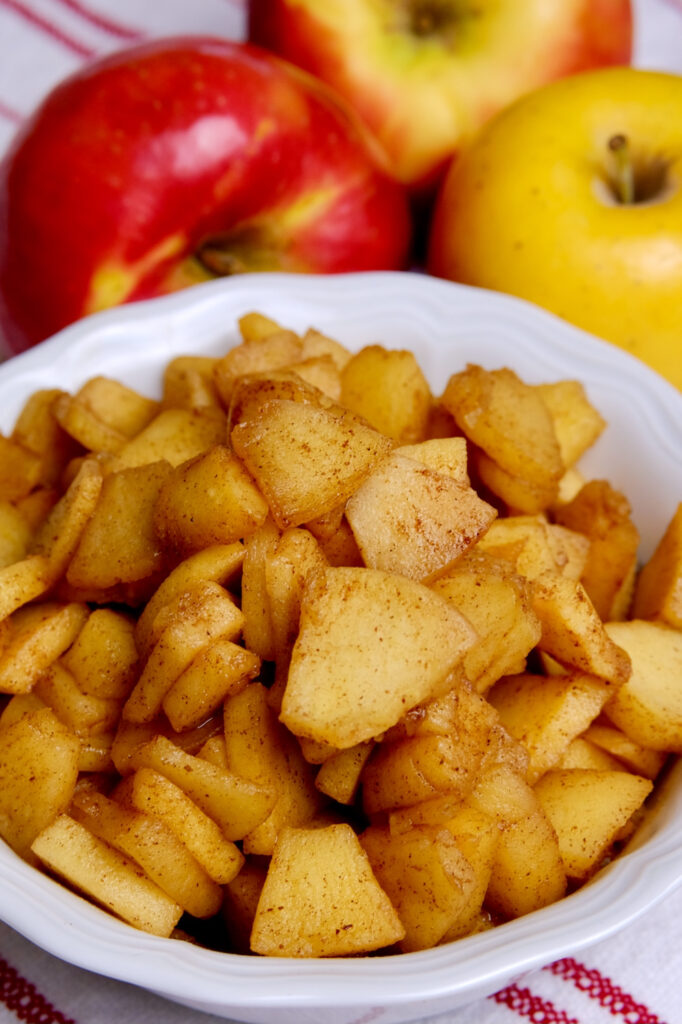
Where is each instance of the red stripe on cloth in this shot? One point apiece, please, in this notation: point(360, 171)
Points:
point(47, 27)
point(675, 4)
point(604, 991)
point(26, 1003)
point(113, 28)
point(10, 114)
point(539, 1011)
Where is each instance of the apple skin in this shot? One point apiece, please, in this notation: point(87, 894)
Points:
point(528, 210)
point(130, 167)
point(425, 95)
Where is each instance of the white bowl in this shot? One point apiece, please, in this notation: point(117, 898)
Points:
point(446, 325)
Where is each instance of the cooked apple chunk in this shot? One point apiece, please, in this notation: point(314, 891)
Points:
point(154, 794)
point(388, 388)
point(509, 420)
point(603, 515)
point(576, 421)
point(210, 499)
point(201, 615)
point(109, 552)
point(258, 748)
point(572, 631)
point(321, 898)
point(427, 878)
point(497, 602)
point(382, 643)
point(587, 809)
point(545, 713)
point(648, 707)
point(412, 520)
point(658, 591)
point(38, 771)
point(109, 877)
point(236, 804)
point(306, 459)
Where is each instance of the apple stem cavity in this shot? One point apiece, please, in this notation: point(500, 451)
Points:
point(624, 173)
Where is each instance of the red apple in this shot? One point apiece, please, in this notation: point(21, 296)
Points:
point(172, 162)
point(426, 74)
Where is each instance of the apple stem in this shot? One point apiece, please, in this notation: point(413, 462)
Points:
point(624, 179)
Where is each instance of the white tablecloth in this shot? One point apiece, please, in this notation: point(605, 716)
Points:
point(635, 977)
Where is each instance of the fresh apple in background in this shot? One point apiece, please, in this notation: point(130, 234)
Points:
point(172, 162)
point(426, 74)
point(572, 198)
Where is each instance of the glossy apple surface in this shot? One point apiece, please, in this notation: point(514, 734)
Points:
point(537, 208)
point(425, 74)
point(168, 163)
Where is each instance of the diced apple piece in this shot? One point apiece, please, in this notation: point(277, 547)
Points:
point(19, 469)
point(257, 353)
point(321, 898)
point(339, 776)
point(306, 460)
point(658, 591)
point(240, 900)
point(103, 658)
point(427, 878)
point(507, 419)
point(383, 644)
point(629, 755)
point(260, 749)
point(39, 635)
point(587, 810)
point(174, 436)
point(110, 550)
point(497, 603)
point(446, 455)
point(546, 712)
point(576, 421)
point(523, 540)
point(110, 878)
point(59, 535)
point(287, 567)
point(219, 563)
point(572, 631)
point(188, 383)
point(155, 847)
point(202, 615)
point(15, 534)
point(389, 390)
point(412, 520)
point(527, 872)
point(236, 804)
point(603, 515)
point(84, 714)
point(156, 795)
point(214, 674)
point(648, 706)
point(38, 430)
point(22, 582)
point(314, 343)
point(38, 772)
point(209, 499)
point(582, 753)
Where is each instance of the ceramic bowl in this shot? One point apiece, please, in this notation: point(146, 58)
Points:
point(445, 325)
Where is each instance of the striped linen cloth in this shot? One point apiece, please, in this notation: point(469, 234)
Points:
point(634, 977)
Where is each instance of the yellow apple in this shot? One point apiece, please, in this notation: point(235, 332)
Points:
point(572, 198)
point(425, 74)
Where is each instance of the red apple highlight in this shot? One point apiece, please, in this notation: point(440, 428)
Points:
point(173, 162)
point(426, 74)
